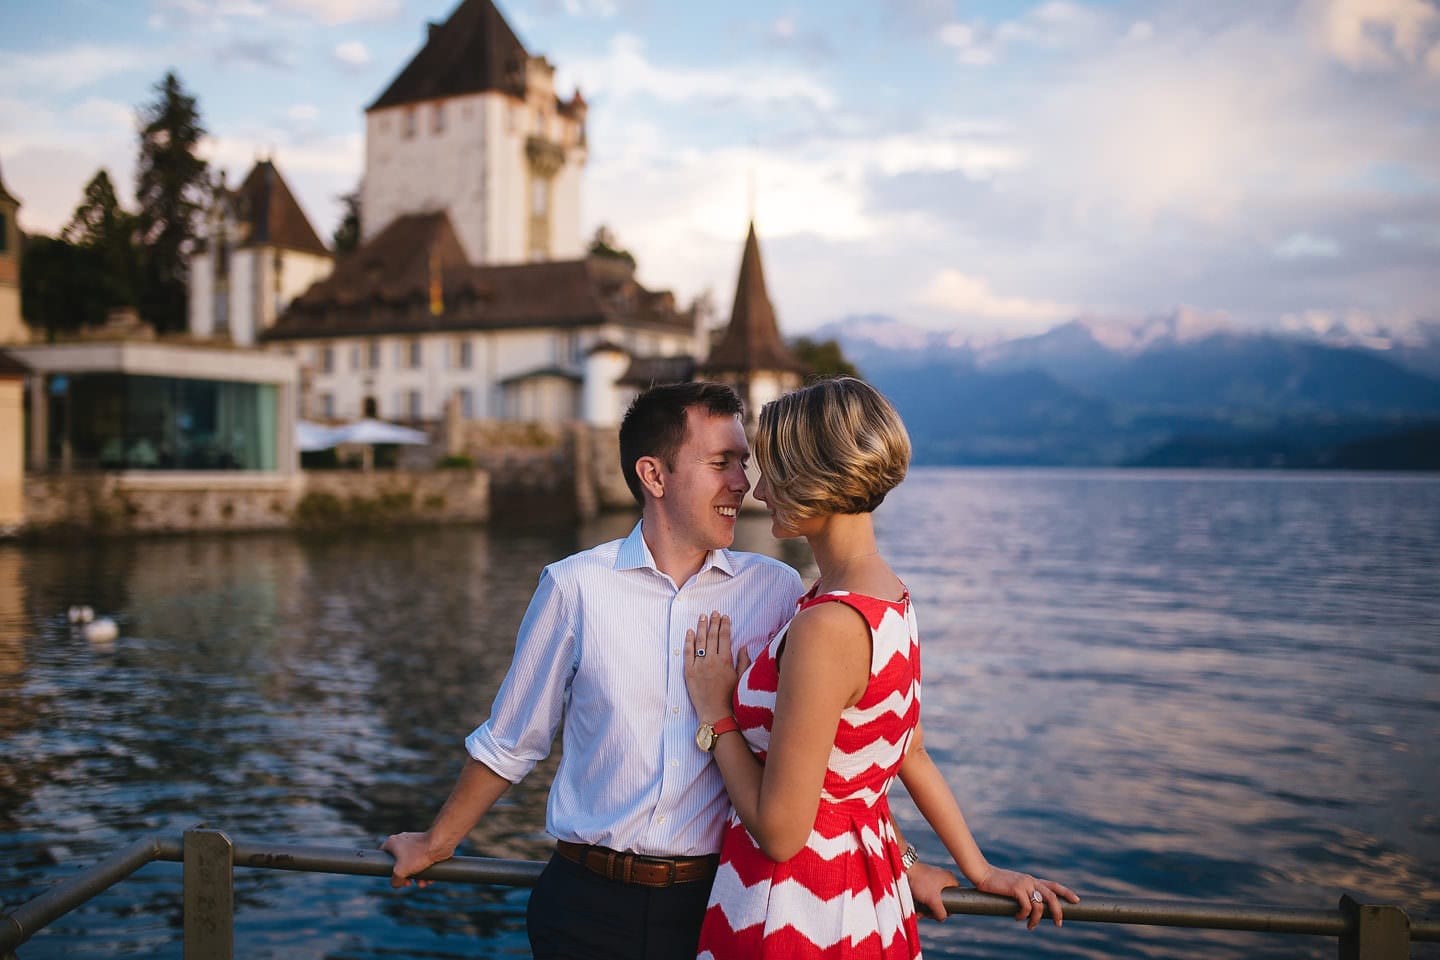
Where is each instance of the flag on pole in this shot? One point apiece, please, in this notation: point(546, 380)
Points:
point(437, 291)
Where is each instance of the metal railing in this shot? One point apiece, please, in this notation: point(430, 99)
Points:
point(1364, 931)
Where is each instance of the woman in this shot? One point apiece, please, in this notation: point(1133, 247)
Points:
point(829, 713)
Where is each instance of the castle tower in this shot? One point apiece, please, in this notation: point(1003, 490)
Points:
point(472, 127)
point(261, 253)
point(12, 325)
point(751, 355)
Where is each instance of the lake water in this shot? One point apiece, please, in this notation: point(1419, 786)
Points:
point(1199, 686)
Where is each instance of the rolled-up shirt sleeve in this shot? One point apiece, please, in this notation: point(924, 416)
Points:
point(531, 702)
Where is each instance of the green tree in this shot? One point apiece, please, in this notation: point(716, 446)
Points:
point(172, 189)
point(825, 358)
point(100, 224)
point(62, 285)
point(347, 235)
point(605, 245)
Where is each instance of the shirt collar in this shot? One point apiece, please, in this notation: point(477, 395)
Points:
point(634, 554)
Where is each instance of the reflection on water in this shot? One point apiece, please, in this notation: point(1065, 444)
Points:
point(1176, 685)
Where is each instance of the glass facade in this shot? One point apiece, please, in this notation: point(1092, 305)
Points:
point(118, 422)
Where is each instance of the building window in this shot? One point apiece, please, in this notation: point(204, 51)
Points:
point(467, 404)
point(374, 354)
point(120, 421)
point(413, 404)
point(415, 355)
point(327, 359)
point(466, 351)
point(439, 118)
point(409, 122)
point(355, 357)
point(327, 406)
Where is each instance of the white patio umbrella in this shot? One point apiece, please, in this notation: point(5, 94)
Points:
point(310, 436)
point(368, 431)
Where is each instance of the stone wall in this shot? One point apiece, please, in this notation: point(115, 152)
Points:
point(121, 504)
point(523, 475)
point(545, 472)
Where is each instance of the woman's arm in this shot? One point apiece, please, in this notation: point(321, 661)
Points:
point(937, 804)
point(827, 666)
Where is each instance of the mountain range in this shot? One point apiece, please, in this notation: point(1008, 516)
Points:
point(1180, 389)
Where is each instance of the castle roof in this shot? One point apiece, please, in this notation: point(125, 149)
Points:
point(265, 204)
point(12, 367)
point(474, 51)
point(752, 340)
point(393, 284)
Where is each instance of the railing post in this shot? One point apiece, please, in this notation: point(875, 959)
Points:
point(209, 895)
point(1378, 931)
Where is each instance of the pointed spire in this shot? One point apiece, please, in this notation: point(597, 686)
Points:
point(752, 340)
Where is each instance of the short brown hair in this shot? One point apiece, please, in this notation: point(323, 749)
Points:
point(836, 446)
point(655, 424)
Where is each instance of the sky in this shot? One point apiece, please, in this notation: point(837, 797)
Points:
point(988, 168)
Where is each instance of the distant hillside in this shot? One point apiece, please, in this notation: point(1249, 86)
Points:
point(1174, 390)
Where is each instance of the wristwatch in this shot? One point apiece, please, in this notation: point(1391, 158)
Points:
point(709, 733)
point(908, 858)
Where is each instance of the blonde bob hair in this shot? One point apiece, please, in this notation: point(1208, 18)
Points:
point(836, 446)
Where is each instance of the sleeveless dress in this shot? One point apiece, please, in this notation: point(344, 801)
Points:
point(845, 894)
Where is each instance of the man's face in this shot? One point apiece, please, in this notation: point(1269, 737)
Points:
point(704, 491)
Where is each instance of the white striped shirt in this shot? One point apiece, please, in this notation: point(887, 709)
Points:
point(603, 644)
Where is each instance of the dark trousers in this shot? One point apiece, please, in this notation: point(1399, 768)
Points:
point(577, 915)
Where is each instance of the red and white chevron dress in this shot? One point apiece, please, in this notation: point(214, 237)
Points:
point(845, 894)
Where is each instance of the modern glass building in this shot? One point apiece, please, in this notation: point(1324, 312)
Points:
point(140, 406)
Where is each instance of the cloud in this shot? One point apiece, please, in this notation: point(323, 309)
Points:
point(625, 72)
point(1380, 34)
point(69, 68)
point(1303, 245)
point(352, 53)
point(217, 16)
point(590, 8)
point(971, 297)
point(1055, 24)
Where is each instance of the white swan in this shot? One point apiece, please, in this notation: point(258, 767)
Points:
point(101, 631)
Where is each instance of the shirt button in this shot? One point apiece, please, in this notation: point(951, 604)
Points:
point(675, 710)
point(677, 651)
point(674, 763)
point(660, 819)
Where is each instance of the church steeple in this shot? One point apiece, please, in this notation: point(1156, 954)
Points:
point(751, 354)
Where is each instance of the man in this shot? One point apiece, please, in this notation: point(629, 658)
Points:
point(636, 807)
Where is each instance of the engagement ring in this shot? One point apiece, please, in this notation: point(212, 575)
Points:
point(699, 653)
point(1035, 895)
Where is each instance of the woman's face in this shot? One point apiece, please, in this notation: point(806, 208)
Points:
point(778, 528)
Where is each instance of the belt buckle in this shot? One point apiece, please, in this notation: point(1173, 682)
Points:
point(667, 863)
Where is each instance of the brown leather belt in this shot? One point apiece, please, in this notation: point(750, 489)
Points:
point(635, 868)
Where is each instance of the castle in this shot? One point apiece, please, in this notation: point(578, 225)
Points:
point(471, 289)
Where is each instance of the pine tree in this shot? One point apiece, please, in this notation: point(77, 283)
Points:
point(825, 357)
point(171, 190)
point(101, 225)
point(347, 234)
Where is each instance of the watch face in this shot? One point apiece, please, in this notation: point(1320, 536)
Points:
point(705, 737)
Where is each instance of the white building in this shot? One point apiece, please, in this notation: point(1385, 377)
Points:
point(406, 323)
point(259, 254)
point(472, 127)
point(471, 285)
